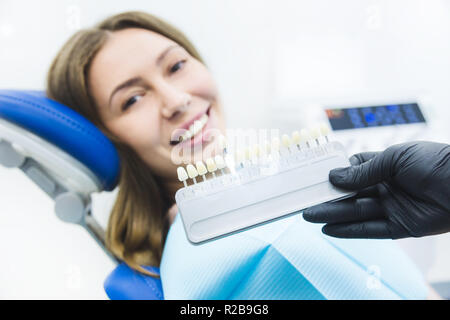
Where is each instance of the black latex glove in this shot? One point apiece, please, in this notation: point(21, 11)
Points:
point(403, 191)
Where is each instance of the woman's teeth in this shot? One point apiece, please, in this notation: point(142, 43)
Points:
point(195, 128)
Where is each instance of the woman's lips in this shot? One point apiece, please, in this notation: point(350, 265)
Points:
point(187, 124)
point(198, 137)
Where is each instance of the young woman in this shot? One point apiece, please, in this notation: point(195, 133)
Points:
point(139, 80)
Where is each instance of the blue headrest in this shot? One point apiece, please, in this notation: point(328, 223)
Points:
point(126, 284)
point(64, 128)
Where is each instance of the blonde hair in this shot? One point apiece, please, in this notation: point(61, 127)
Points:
point(138, 222)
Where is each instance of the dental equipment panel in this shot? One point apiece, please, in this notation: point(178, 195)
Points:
point(356, 125)
point(375, 116)
point(260, 184)
point(368, 121)
point(365, 123)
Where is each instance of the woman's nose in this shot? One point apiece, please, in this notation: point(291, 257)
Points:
point(174, 101)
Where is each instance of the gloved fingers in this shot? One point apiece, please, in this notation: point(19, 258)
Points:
point(375, 229)
point(350, 210)
point(369, 192)
point(369, 173)
point(362, 157)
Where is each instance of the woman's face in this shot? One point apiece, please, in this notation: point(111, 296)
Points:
point(149, 90)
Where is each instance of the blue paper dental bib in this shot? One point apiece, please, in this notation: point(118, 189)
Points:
point(287, 259)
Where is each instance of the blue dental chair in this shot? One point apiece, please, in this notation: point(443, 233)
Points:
point(69, 159)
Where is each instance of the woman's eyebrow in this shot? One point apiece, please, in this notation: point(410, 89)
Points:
point(164, 53)
point(137, 80)
point(126, 84)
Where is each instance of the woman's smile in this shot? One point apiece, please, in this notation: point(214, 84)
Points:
point(195, 131)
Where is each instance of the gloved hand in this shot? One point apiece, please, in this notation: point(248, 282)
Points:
point(403, 191)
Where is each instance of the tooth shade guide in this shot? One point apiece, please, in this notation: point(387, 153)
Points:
point(192, 172)
point(253, 196)
point(257, 158)
point(247, 154)
point(211, 165)
point(275, 147)
point(296, 139)
point(266, 147)
point(256, 150)
point(239, 157)
point(220, 163)
point(324, 131)
point(182, 175)
point(315, 134)
point(222, 142)
point(305, 136)
point(285, 139)
point(230, 163)
point(201, 169)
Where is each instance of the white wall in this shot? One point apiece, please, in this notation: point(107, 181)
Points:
point(262, 54)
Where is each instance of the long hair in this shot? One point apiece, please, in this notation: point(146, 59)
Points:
point(138, 223)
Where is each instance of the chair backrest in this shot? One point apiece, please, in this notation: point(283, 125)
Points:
point(68, 158)
point(65, 129)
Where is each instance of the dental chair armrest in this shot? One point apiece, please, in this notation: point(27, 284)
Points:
point(125, 283)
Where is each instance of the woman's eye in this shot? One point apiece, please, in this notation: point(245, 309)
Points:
point(130, 102)
point(177, 66)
